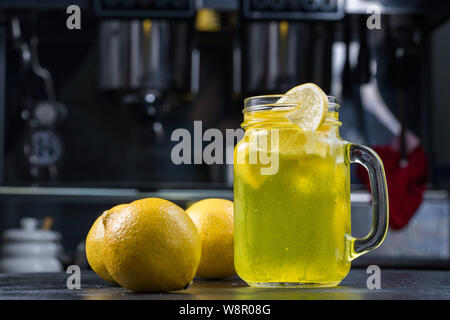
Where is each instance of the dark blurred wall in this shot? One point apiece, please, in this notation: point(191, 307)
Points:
point(440, 103)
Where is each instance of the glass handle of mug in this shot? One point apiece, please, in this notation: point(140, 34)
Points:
point(380, 206)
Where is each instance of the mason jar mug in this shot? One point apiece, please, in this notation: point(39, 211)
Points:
point(292, 199)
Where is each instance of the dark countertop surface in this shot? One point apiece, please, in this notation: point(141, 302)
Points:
point(395, 284)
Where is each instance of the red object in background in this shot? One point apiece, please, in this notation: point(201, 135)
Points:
point(406, 184)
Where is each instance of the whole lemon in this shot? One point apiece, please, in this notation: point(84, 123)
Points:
point(94, 250)
point(151, 245)
point(214, 221)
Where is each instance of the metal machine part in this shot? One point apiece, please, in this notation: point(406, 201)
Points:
point(42, 146)
point(144, 63)
point(144, 54)
point(145, 8)
point(294, 9)
point(280, 55)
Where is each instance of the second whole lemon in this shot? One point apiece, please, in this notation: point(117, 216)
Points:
point(214, 221)
point(151, 245)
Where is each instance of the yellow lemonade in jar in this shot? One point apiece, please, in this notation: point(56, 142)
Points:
point(292, 192)
point(295, 236)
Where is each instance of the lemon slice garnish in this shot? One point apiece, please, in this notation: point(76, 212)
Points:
point(312, 106)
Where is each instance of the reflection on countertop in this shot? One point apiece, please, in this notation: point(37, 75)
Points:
point(395, 284)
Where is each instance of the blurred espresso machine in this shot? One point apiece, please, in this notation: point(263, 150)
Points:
point(122, 78)
point(96, 106)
